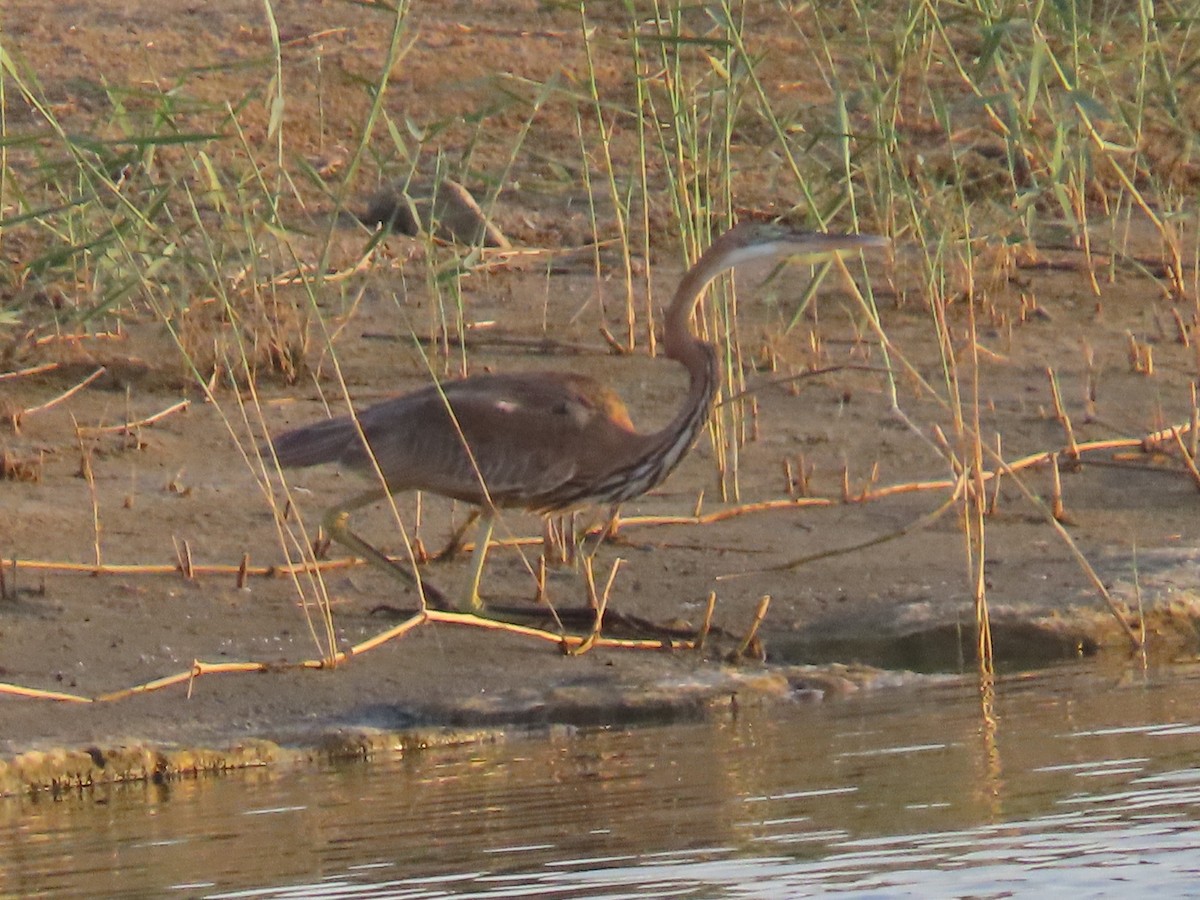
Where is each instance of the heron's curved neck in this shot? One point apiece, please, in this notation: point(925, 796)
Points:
point(681, 344)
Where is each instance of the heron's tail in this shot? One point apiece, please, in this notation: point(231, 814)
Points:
point(322, 442)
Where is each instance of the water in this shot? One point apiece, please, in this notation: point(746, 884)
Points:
point(1086, 783)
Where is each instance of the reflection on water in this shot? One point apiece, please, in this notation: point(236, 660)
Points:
point(1087, 783)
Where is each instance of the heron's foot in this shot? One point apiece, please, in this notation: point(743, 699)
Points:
point(616, 539)
point(450, 550)
point(434, 599)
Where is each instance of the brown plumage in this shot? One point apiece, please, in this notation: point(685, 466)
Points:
point(541, 441)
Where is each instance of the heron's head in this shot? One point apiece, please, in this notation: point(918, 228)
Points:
point(757, 239)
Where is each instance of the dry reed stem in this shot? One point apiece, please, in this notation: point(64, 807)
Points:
point(298, 275)
point(994, 503)
point(16, 690)
point(32, 370)
point(1061, 414)
point(85, 470)
point(383, 637)
point(760, 613)
point(1077, 554)
point(917, 524)
point(1181, 329)
point(1194, 424)
point(1189, 461)
point(276, 571)
point(706, 625)
point(48, 339)
point(540, 596)
point(65, 395)
point(1056, 501)
point(183, 555)
point(600, 604)
point(140, 423)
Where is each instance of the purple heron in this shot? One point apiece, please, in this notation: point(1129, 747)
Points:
point(539, 441)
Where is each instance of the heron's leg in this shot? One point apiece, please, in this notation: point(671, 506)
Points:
point(609, 529)
point(455, 543)
point(337, 524)
point(486, 525)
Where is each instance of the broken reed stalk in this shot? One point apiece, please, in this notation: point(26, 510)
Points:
point(1194, 424)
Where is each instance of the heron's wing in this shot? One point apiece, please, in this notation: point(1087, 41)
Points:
point(526, 437)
